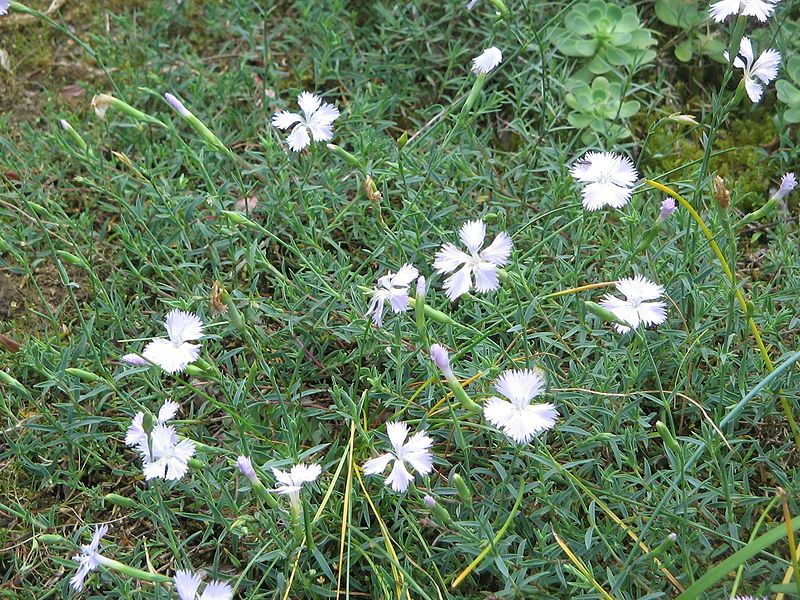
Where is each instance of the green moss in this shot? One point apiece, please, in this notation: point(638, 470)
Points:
point(747, 169)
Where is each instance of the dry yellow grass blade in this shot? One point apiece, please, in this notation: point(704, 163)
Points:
point(346, 505)
point(387, 540)
point(581, 567)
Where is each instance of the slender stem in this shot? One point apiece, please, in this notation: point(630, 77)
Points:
point(787, 517)
point(492, 544)
point(787, 409)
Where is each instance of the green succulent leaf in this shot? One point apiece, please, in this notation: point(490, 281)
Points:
point(684, 50)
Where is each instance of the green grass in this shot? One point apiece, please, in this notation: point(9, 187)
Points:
point(306, 377)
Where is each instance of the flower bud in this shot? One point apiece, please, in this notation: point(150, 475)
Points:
point(246, 468)
point(441, 358)
point(82, 374)
point(668, 206)
point(344, 155)
point(666, 435)
point(118, 500)
point(73, 135)
point(177, 105)
point(463, 491)
point(721, 193)
point(148, 422)
point(788, 183)
point(72, 259)
point(429, 501)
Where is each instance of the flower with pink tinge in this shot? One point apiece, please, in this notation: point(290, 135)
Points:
point(788, 183)
point(668, 206)
point(441, 358)
point(245, 466)
point(416, 452)
point(177, 105)
point(315, 123)
point(479, 265)
point(517, 417)
point(636, 309)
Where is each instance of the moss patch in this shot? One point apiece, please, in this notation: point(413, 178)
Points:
point(747, 169)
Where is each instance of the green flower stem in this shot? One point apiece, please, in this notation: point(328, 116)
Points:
point(500, 6)
point(208, 135)
point(473, 94)
point(499, 536)
point(433, 314)
point(74, 136)
point(419, 313)
point(460, 393)
point(263, 493)
point(743, 304)
point(769, 206)
point(115, 565)
point(720, 113)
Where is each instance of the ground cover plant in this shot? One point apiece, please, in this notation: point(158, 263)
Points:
point(399, 299)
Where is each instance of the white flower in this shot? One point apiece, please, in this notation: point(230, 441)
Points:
point(788, 183)
point(392, 287)
point(519, 419)
point(100, 104)
point(609, 178)
point(187, 584)
point(760, 9)
point(415, 452)
point(175, 353)
point(487, 61)
point(292, 481)
point(89, 558)
point(315, 122)
point(483, 265)
point(136, 433)
point(471, 4)
point(4, 5)
point(170, 456)
point(765, 68)
point(634, 309)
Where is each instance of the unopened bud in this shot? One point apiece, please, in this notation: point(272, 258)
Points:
point(463, 491)
point(83, 374)
point(177, 105)
point(441, 358)
point(118, 500)
point(246, 468)
point(148, 422)
point(721, 193)
point(666, 435)
point(344, 155)
point(668, 206)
